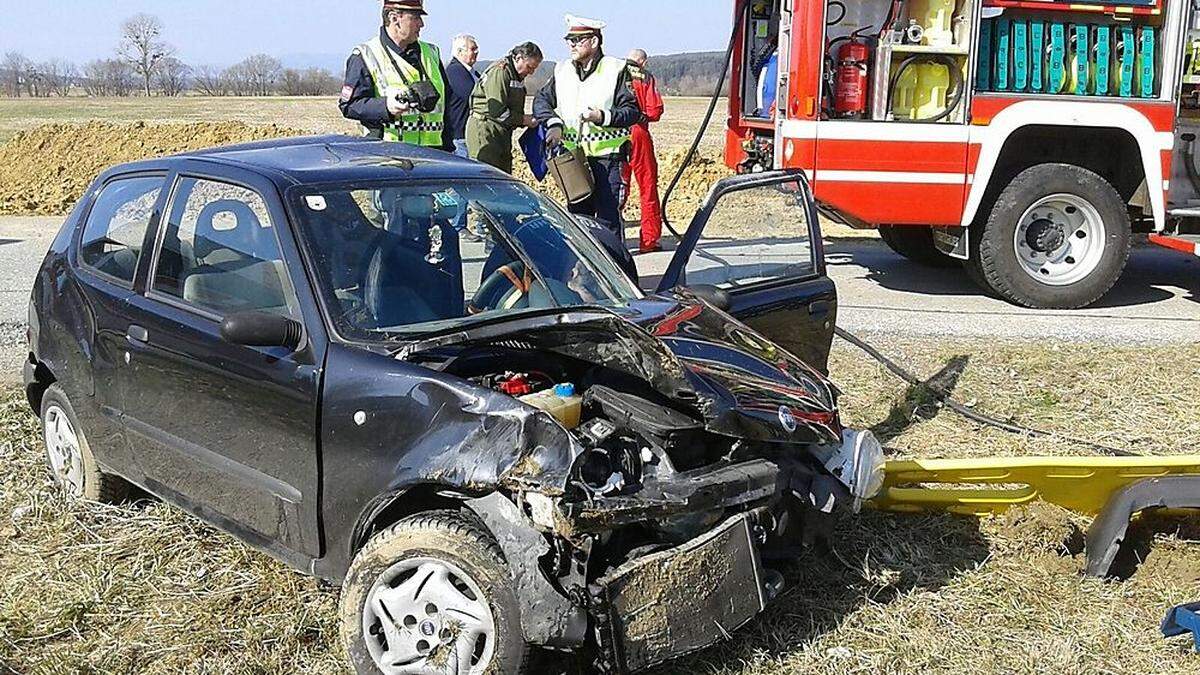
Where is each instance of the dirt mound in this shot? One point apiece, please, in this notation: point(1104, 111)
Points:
point(1038, 527)
point(44, 171)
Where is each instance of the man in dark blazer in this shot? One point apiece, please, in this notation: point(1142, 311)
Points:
point(462, 80)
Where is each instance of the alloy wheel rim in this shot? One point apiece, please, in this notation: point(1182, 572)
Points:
point(63, 451)
point(1060, 240)
point(425, 616)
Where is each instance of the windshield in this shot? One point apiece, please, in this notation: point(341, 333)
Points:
point(403, 259)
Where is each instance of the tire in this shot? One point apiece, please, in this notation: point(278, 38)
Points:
point(460, 546)
point(71, 462)
point(1058, 237)
point(916, 244)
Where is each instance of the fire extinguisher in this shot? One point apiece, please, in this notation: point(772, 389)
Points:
point(851, 77)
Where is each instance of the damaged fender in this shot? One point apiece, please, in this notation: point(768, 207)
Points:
point(547, 617)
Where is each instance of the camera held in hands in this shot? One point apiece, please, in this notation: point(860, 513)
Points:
point(421, 96)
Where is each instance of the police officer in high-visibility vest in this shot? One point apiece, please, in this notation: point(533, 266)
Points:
point(396, 84)
point(589, 103)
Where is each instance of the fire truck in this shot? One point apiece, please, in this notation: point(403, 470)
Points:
point(1029, 141)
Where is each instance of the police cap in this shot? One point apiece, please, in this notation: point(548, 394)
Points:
point(417, 6)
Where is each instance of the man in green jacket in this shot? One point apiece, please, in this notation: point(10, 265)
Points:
point(498, 107)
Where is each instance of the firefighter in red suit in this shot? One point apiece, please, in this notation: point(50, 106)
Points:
point(642, 163)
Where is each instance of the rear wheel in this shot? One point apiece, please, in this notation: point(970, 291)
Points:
point(916, 244)
point(432, 593)
point(69, 456)
point(1058, 237)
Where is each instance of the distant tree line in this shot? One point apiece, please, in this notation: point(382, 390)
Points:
point(145, 64)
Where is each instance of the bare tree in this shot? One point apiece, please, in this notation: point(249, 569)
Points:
point(262, 72)
point(308, 82)
point(210, 81)
point(172, 76)
point(14, 71)
point(59, 75)
point(142, 46)
point(237, 77)
point(109, 77)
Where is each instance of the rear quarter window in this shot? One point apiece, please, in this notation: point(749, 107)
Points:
point(116, 226)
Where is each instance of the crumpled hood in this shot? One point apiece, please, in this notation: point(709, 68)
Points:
point(743, 385)
point(757, 390)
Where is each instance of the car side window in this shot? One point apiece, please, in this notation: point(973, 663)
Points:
point(116, 226)
point(757, 235)
point(220, 252)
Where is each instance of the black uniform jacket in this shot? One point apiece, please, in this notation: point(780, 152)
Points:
point(625, 112)
point(359, 102)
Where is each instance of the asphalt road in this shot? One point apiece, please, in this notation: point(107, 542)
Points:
point(1156, 303)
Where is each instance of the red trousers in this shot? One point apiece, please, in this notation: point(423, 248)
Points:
point(644, 166)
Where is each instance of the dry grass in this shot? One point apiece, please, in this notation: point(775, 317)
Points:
point(315, 115)
point(144, 588)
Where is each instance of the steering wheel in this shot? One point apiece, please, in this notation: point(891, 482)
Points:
point(506, 288)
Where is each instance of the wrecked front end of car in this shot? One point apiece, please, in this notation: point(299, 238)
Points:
point(693, 450)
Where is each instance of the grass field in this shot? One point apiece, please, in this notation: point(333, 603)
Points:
point(145, 588)
point(318, 115)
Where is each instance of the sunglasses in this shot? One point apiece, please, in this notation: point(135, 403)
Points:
point(576, 39)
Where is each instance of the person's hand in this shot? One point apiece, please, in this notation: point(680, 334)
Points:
point(554, 137)
point(529, 122)
point(395, 105)
point(592, 115)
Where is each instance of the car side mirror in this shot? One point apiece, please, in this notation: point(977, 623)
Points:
point(259, 329)
point(712, 295)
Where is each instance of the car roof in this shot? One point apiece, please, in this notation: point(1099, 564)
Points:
point(311, 160)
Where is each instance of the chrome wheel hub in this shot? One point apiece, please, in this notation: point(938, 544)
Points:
point(1060, 240)
point(63, 451)
point(427, 616)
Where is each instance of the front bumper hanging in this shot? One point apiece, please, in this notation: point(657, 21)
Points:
point(669, 604)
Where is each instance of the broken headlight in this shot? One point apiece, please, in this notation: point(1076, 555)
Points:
point(611, 463)
point(859, 464)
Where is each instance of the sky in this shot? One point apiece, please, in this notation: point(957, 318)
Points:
point(314, 32)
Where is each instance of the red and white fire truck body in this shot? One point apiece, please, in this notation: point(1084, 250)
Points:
point(1037, 184)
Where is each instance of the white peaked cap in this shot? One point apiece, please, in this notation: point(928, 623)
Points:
point(579, 24)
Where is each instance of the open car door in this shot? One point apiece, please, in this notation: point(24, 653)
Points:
point(757, 238)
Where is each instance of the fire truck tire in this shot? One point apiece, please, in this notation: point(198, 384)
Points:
point(1058, 237)
point(916, 244)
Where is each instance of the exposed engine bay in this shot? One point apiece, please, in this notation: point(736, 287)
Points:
point(663, 507)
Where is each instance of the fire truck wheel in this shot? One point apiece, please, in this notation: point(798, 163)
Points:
point(1058, 237)
point(916, 244)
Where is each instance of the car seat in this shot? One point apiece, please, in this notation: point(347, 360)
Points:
point(238, 268)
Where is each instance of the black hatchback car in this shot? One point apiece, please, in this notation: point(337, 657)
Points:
point(413, 375)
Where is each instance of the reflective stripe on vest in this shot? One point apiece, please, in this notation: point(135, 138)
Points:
point(413, 128)
point(575, 96)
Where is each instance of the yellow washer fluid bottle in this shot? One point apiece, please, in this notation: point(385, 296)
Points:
point(904, 106)
point(561, 402)
point(933, 86)
point(937, 18)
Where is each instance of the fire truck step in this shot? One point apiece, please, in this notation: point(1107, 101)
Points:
point(1185, 243)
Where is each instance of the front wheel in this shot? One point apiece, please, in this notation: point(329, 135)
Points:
point(432, 594)
point(1058, 237)
point(69, 456)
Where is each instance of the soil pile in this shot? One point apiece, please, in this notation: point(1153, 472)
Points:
point(44, 171)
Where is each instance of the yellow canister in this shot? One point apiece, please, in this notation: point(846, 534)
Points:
point(937, 18)
point(933, 87)
point(561, 402)
point(904, 98)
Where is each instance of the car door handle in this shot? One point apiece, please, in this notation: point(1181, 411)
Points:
point(818, 307)
point(137, 334)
